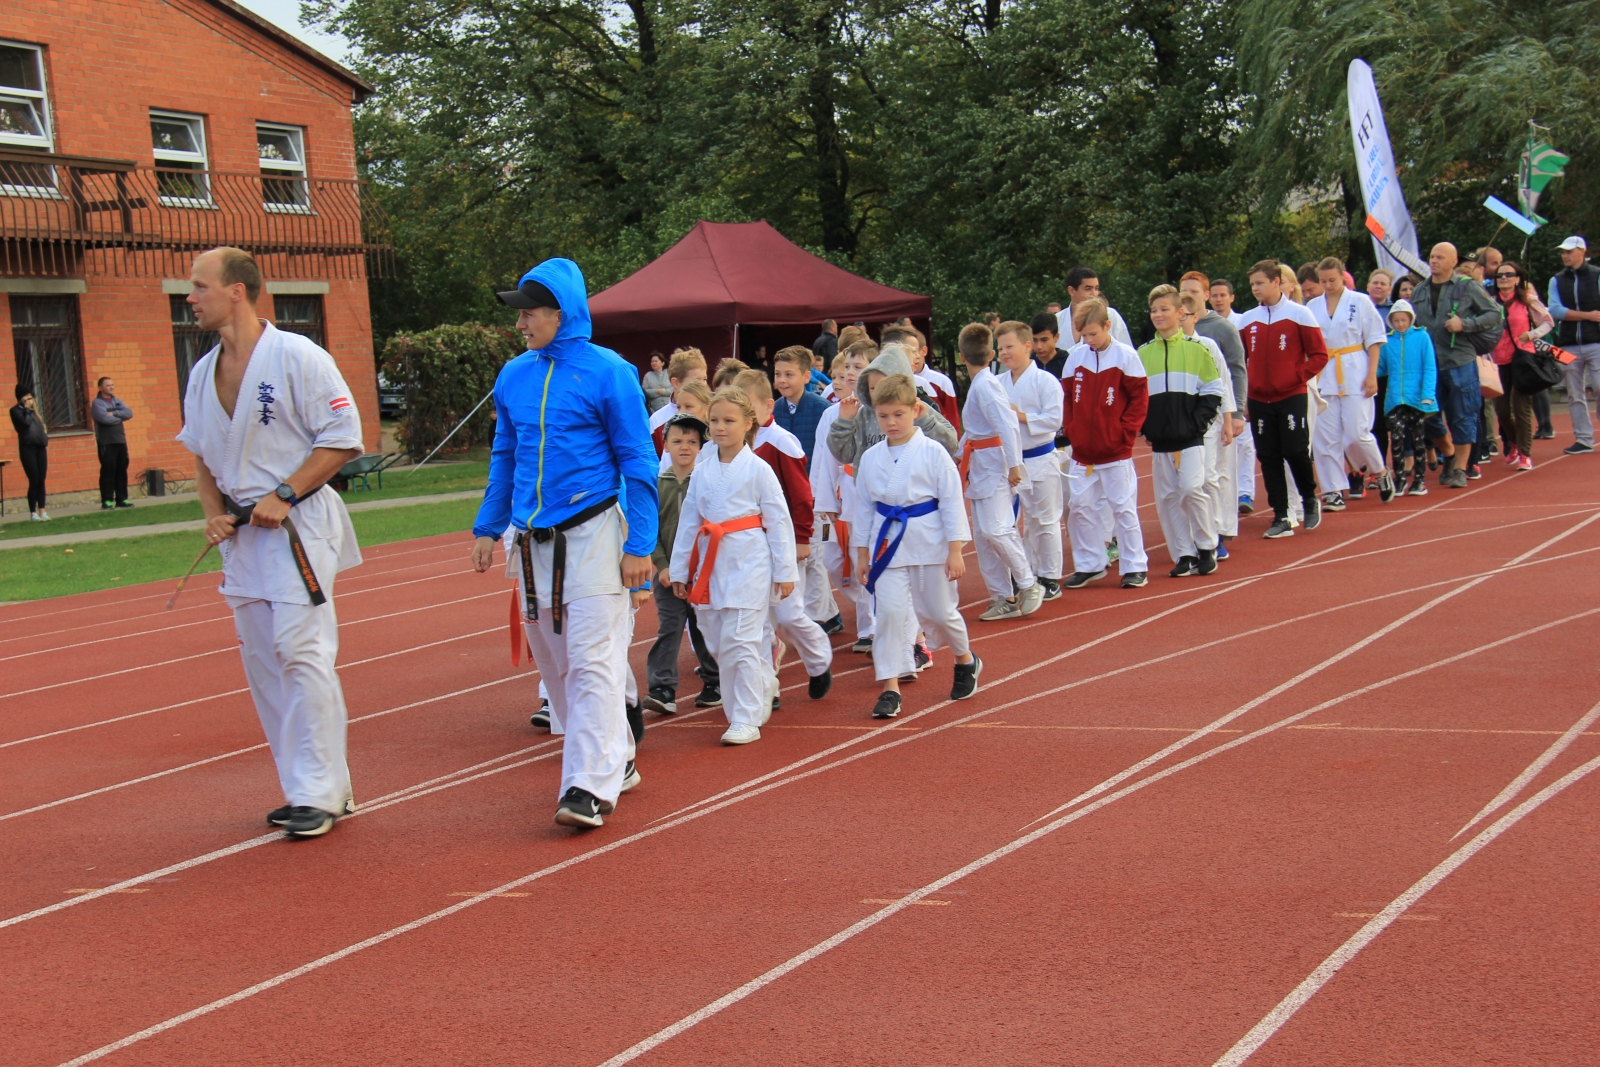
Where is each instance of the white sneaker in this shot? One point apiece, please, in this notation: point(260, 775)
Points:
point(772, 694)
point(34, 515)
point(44, 516)
point(741, 734)
point(1002, 609)
point(1029, 599)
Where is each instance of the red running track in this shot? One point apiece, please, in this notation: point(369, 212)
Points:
point(1329, 806)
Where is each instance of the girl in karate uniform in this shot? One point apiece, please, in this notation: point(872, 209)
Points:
point(734, 554)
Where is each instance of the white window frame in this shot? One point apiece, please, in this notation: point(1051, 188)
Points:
point(283, 168)
point(197, 125)
point(41, 99)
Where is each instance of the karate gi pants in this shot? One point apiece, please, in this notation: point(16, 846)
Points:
point(1222, 481)
point(1182, 503)
point(908, 599)
point(852, 590)
point(289, 652)
point(586, 674)
point(737, 638)
point(789, 618)
point(820, 605)
point(1244, 448)
point(1098, 492)
point(1001, 556)
point(1344, 431)
point(1041, 516)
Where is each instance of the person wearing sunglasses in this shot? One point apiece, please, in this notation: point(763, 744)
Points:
point(1526, 320)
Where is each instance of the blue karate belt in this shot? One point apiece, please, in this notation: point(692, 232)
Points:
point(883, 552)
point(1039, 450)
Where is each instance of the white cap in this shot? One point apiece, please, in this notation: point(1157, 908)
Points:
point(1402, 307)
point(1573, 243)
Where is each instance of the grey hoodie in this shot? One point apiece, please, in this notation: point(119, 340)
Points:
point(1226, 335)
point(849, 439)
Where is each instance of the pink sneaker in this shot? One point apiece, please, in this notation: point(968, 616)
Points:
point(1524, 463)
point(1512, 455)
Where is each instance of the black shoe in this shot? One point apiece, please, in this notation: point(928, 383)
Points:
point(888, 705)
point(1279, 528)
point(710, 697)
point(579, 807)
point(1546, 434)
point(966, 681)
point(630, 777)
point(1080, 579)
point(279, 816)
point(1207, 563)
point(1052, 588)
point(1576, 448)
point(661, 700)
point(921, 657)
point(1474, 472)
point(1387, 487)
point(1187, 566)
point(125, 504)
point(1358, 484)
point(107, 506)
point(541, 718)
point(818, 687)
point(1313, 513)
point(863, 644)
point(833, 625)
point(307, 822)
point(777, 703)
point(635, 721)
point(1419, 485)
point(1135, 580)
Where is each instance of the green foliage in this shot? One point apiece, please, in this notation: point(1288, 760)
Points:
point(446, 371)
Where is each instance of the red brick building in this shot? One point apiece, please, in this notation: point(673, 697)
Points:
point(134, 134)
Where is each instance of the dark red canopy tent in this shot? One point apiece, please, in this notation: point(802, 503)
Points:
point(727, 287)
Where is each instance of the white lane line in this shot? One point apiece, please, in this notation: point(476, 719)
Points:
point(1518, 783)
point(123, 718)
point(1263, 1031)
point(113, 674)
point(797, 961)
point(1310, 672)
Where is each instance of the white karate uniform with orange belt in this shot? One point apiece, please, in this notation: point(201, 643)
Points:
point(1344, 430)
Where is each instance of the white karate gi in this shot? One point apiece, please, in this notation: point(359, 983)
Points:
point(748, 563)
point(1344, 430)
point(1220, 459)
point(790, 616)
point(1038, 395)
point(833, 489)
point(292, 399)
point(912, 592)
point(1001, 556)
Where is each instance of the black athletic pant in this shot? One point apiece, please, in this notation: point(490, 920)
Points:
point(35, 464)
point(113, 474)
point(1380, 422)
point(1541, 410)
point(1283, 435)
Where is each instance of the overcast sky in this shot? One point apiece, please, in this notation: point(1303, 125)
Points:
point(286, 13)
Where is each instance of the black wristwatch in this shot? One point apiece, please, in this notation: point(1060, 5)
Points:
point(285, 493)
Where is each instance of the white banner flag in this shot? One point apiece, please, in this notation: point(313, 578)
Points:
point(1380, 185)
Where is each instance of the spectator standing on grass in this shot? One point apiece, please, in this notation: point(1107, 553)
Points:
point(1575, 304)
point(657, 386)
point(1454, 309)
point(1526, 320)
point(33, 443)
point(827, 343)
point(109, 413)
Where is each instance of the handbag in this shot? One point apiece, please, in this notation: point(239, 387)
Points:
point(1489, 379)
point(1534, 372)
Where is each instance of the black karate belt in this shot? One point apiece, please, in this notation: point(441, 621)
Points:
point(558, 564)
point(241, 517)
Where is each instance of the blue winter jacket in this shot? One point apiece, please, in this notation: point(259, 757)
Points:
point(801, 420)
point(570, 429)
point(1406, 359)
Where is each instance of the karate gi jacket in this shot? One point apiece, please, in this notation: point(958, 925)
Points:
point(923, 471)
point(1347, 331)
point(748, 561)
point(987, 413)
point(1038, 395)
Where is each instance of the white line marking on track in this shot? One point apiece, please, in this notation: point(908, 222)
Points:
point(1510, 792)
point(1263, 1031)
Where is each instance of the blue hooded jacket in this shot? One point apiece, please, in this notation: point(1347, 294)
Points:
point(570, 428)
point(1407, 361)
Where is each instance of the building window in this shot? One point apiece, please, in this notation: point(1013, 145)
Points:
point(189, 343)
point(44, 334)
point(283, 167)
point(24, 118)
point(179, 143)
point(300, 314)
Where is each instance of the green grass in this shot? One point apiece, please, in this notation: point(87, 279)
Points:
point(36, 573)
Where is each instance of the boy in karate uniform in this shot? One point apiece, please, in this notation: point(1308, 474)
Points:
point(1219, 477)
point(991, 461)
point(908, 532)
point(798, 410)
point(1106, 397)
point(1185, 393)
point(1354, 333)
point(1036, 398)
point(833, 491)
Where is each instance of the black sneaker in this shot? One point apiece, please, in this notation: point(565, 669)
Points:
point(863, 644)
point(1313, 514)
point(126, 504)
point(661, 700)
point(307, 822)
point(1279, 528)
point(1576, 448)
point(1052, 588)
point(1419, 486)
point(279, 816)
point(710, 697)
point(635, 721)
point(1207, 563)
point(1358, 485)
point(966, 680)
point(1458, 478)
point(833, 625)
point(541, 718)
point(1386, 487)
point(1135, 580)
point(1187, 566)
point(1474, 472)
point(888, 705)
point(630, 777)
point(921, 656)
point(777, 703)
point(818, 687)
point(107, 506)
point(1546, 434)
point(579, 807)
point(1080, 579)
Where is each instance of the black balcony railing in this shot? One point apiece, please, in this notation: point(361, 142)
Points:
point(64, 215)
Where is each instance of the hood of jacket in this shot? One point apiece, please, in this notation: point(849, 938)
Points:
point(563, 278)
point(892, 359)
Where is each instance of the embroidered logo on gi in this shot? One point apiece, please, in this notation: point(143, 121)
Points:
point(265, 398)
point(1077, 387)
point(1283, 341)
point(1111, 395)
point(338, 404)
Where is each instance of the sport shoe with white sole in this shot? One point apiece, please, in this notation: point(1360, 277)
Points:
point(1207, 561)
point(1029, 599)
point(1386, 487)
point(1080, 579)
point(279, 816)
point(308, 822)
point(1187, 567)
point(579, 807)
point(1279, 528)
point(541, 718)
point(661, 700)
point(1052, 588)
point(630, 776)
point(818, 687)
point(710, 697)
point(1001, 609)
point(863, 644)
point(887, 706)
point(1332, 502)
point(741, 734)
point(1135, 580)
point(966, 679)
point(1313, 515)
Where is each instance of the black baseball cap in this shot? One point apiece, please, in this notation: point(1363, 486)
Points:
point(686, 420)
point(530, 294)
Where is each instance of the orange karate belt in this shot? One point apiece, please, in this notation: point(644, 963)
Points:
point(714, 532)
point(972, 445)
point(842, 529)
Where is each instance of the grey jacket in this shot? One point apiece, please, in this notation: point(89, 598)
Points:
point(849, 439)
point(1476, 309)
point(109, 415)
point(1226, 335)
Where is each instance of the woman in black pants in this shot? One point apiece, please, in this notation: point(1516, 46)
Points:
point(33, 441)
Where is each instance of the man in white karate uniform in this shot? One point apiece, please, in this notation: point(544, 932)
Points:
point(1354, 333)
point(271, 420)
